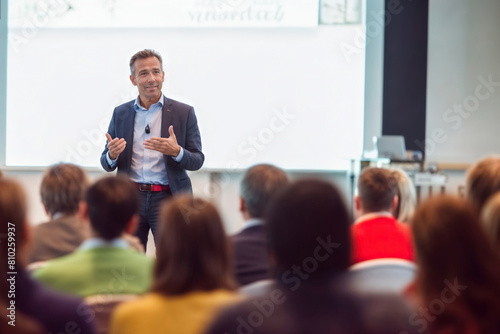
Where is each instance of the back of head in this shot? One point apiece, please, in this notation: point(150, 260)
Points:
point(192, 249)
point(112, 202)
point(490, 217)
point(259, 185)
point(452, 247)
point(407, 197)
point(63, 187)
point(483, 180)
point(308, 226)
point(377, 188)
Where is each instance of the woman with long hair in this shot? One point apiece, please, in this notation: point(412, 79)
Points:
point(457, 283)
point(192, 274)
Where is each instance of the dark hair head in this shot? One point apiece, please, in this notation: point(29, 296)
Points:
point(377, 188)
point(112, 202)
point(308, 221)
point(63, 187)
point(146, 53)
point(192, 249)
point(259, 185)
point(483, 180)
point(451, 246)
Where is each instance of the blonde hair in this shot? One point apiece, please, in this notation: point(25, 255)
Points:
point(407, 197)
point(490, 218)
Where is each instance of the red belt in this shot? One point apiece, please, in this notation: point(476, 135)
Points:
point(152, 187)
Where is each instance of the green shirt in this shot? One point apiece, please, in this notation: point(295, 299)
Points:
point(100, 270)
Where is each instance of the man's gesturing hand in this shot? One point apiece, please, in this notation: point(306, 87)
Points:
point(167, 146)
point(115, 146)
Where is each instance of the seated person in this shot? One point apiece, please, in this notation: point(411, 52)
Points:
point(310, 244)
point(192, 274)
point(407, 197)
point(376, 233)
point(251, 260)
point(103, 264)
point(35, 308)
point(457, 283)
point(490, 217)
point(63, 188)
point(482, 180)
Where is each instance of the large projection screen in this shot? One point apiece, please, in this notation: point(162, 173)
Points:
point(286, 87)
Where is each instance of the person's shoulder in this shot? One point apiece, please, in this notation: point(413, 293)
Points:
point(56, 310)
point(177, 106)
point(125, 107)
point(57, 266)
point(147, 303)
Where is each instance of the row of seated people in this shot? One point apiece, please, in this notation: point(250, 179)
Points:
point(303, 227)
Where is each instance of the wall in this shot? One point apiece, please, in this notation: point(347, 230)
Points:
point(464, 50)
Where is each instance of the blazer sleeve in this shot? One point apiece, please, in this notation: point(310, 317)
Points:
point(112, 133)
point(193, 156)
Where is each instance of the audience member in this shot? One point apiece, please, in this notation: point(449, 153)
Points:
point(376, 233)
point(192, 275)
point(251, 259)
point(407, 197)
point(309, 240)
point(103, 264)
point(482, 180)
point(457, 283)
point(62, 190)
point(33, 307)
point(490, 217)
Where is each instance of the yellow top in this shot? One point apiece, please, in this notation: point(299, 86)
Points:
point(155, 313)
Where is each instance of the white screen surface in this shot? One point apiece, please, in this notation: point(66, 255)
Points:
point(286, 96)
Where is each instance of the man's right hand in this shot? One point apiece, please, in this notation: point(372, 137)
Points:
point(115, 146)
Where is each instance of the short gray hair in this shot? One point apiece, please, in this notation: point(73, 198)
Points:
point(260, 183)
point(146, 53)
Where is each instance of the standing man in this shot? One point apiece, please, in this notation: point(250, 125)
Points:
point(154, 140)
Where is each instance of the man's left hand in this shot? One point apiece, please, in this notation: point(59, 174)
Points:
point(167, 146)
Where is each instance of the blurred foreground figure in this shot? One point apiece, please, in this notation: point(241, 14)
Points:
point(192, 275)
point(457, 288)
point(310, 242)
point(34, 305)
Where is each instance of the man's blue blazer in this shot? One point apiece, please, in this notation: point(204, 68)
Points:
point(175, 113)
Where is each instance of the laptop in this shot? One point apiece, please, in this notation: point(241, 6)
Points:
point(392, 147)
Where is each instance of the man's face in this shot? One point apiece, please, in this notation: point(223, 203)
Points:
point(148, 77)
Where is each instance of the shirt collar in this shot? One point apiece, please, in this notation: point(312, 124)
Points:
point(253, 222)
point(57, 215)
point(373, 215)
point(99, 242)
point(137, 103)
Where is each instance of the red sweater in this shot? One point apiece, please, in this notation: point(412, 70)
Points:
point(381, 237)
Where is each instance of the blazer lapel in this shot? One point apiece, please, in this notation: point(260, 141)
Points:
point(166, 117)
point(128, 134)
